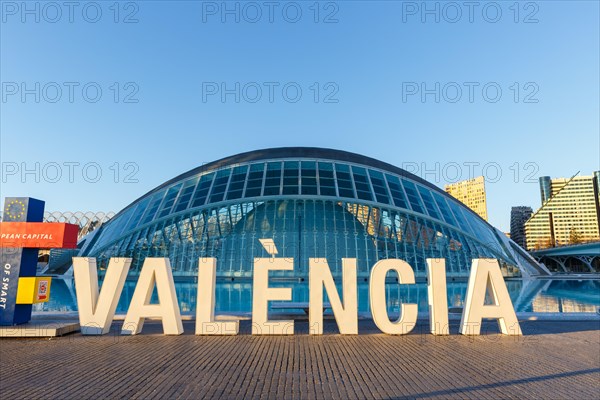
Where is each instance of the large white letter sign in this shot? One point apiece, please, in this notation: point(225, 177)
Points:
point(155, 271)
point(438, 296)
point(205, 306)
point(483, 271)
point(408, 312)
point(346, 314)
point(97, 308)
point(262, 294)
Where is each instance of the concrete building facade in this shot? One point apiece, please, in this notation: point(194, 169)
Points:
point(569, 213)
point(518, 216)
point(471, 193)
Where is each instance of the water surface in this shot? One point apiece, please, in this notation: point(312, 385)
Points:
point(232, 297)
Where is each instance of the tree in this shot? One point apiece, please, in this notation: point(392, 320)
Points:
point(575, 236)
point(543, 243)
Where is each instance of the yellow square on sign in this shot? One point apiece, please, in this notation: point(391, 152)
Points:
point(33, 290)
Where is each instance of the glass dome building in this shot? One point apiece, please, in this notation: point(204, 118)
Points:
point(312, 203)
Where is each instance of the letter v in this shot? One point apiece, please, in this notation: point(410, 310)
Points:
point(97, 308)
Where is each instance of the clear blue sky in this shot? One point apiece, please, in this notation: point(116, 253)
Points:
point(370, 56)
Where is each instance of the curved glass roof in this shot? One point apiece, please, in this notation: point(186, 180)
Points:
point(297, 173)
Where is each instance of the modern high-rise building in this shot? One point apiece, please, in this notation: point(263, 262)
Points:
point(518, 216)
point(471, 193)
point(569, 213)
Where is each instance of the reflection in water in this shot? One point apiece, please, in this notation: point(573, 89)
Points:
point(568, 296)
point(527, 296)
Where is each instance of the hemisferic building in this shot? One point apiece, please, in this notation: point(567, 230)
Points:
point(313, 203)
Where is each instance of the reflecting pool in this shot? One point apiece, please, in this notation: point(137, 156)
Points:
point(232, 297)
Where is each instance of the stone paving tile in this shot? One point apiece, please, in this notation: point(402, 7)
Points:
point(554, 359)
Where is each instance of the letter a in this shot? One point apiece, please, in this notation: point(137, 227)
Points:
point(483, 271)
point(155, 271)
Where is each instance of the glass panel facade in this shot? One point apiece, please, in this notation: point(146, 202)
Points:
point(397, 191)
point(238, 180)
point(219, 186)
point(137, 215)
point(344, 181)
point(301, 229)
point(326, 180)
point(202, 190)
point(361, 183)
point(273, 179)
point(346, 211)
point(413, 196)
point(255, 180)
point(152, 208)
point(291, 177)
point(112, 230)
point(462, 222)
point(444, 209)
point(169, 200)
point(186, 194)
point(428, 201)
point(309, 177)
point(379, 187)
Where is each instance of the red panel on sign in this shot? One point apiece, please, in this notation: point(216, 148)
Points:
point(41, 235)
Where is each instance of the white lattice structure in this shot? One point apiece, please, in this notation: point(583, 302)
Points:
point(87, 221)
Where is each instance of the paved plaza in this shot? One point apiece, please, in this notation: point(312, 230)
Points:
point(553, 360)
